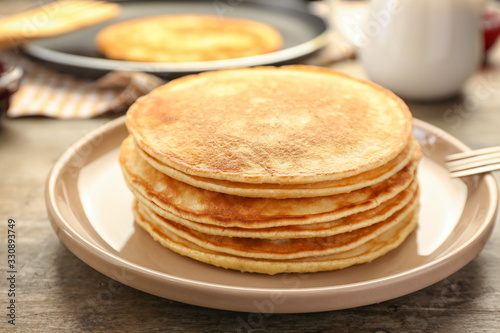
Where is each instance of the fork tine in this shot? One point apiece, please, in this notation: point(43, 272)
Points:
point(475, 171)
point(470, 153)
point(473, 162)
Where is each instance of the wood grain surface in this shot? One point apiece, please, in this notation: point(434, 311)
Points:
point(57, 292)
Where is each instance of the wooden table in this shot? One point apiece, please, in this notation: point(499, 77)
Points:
point(55, 291)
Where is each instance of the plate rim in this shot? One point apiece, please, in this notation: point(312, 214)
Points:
point(442, 267)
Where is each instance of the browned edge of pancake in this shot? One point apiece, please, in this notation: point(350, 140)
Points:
point(365, 254)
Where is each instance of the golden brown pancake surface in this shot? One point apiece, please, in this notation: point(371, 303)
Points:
point(286, 125)
point(365, 253)
point(273, 169)
point(226, 210)
point(187, 38)
point(409, 154)
point(278, 248)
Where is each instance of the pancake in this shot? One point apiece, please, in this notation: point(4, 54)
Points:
point(276, 248)
point(273, 169)
point(186, 38)
point(351, 228)
point(279, 125)
point(280, 191)
point(405, 200)
point(203, 206)
point(364, 253)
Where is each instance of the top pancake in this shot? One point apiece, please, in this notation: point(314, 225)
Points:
point(283, 125)
point(187, 38)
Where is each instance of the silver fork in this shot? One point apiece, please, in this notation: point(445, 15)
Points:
point(473, 162)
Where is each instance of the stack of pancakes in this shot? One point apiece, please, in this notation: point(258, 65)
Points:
point(187, 38)
point(273, 169)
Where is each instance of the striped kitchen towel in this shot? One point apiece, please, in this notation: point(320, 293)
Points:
point(46, 92)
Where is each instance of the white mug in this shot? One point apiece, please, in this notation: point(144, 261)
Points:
point(419, 49)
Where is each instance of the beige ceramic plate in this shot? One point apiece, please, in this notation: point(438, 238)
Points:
point(89, 206)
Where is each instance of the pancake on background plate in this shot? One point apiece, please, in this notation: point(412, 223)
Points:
point(273, 169)
point(187, 38)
